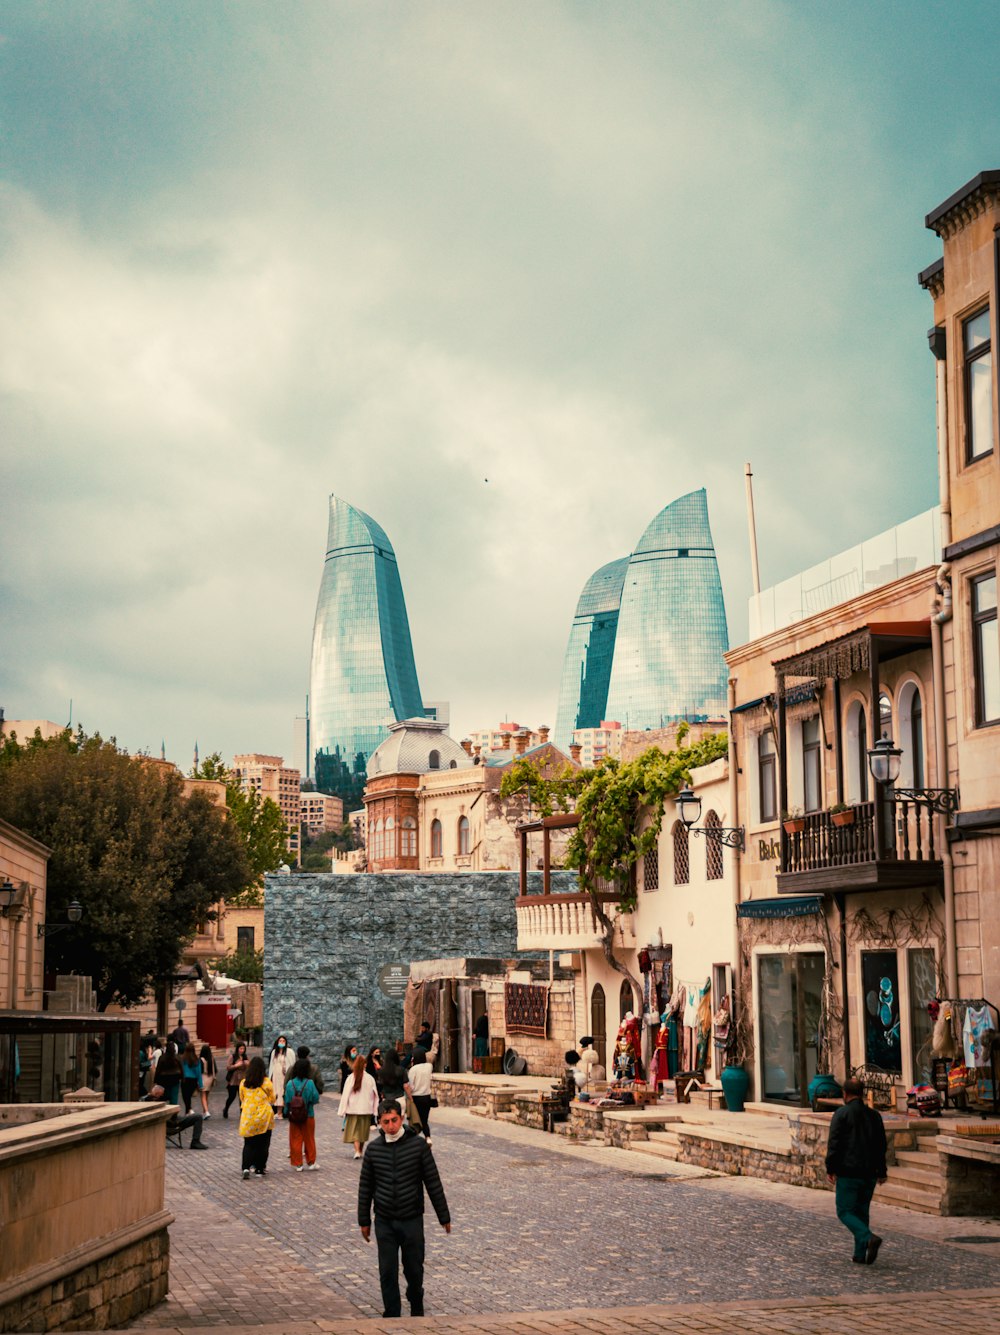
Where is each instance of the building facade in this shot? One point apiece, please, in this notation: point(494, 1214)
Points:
point(320, 813)
point(363, 676)
point(270, 777)
point(23, 872)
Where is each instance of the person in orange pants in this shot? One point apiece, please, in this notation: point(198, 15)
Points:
point(301, 1097)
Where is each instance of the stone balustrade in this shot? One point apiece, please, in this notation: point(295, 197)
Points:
point(568, 922)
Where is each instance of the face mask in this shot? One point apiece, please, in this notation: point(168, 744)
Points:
point(281, 1047)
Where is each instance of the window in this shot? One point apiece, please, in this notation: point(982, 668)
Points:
point(244, 939)
point(463, 834)
point(812, 760)
point(767, 773)
point(713, 849)
point(912, 768)
point(435, 838)
point(379, 842)
point(682, 870)
point(917, 740)
point(884, 716)
point(986, 648)
point(408, 838)
point(625, 999)
point(856, 753)
point(390, 837)
point(977, 370)
point(434, 760)
point(651, 869)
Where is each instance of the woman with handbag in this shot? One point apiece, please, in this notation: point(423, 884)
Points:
point(418, 1086)
point(207, 1077)
point(358, 1105)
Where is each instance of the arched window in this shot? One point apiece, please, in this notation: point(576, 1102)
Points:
point(435, 838)
point(599, 1023)
point(408, 838)
point(453, 764)
point(884, 715)
point(379, 841)
point(651, 869)
point(682, 867)
point(912, 767)
point(625, 999)
point(463, 834)
point(856, 746)
point(713, 849)
point(390, 836)
point(434, 760)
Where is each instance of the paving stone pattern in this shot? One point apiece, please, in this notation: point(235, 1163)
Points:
point(328, 936)
point(536, 1228)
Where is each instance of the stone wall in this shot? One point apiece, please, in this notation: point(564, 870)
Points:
point(328, 937)
point(545, 1056)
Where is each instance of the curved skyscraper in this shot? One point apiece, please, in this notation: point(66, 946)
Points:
point(647, 641)
point(583, 692)
point(363, 676)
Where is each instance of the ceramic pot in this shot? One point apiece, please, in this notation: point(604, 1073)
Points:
point(735, 1083)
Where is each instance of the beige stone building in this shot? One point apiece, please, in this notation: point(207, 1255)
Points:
point(271, 777)
point(320, 813)
point(23, 870)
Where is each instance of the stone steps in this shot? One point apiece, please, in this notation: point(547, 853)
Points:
point(910, 1197)
point(916, 1175)
point(919, 1158)
point(654, 1148)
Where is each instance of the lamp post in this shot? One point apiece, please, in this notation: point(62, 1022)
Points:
point(884, 760)
point(74, 912)
point(689, 809)
point(8, 893)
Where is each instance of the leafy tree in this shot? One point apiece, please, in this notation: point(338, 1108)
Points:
point(317, 850)
point(145, 863)
point(259, 821)
point(246, 966)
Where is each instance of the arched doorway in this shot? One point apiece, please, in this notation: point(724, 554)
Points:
point(599, 1024)
point(626, 1000)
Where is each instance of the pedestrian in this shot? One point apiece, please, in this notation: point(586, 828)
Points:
point(175, 1122)
point(373, 1065)
point(167, 1073)
point(418, 1086)
point(279, 1067)
point(191, 1075)
point(395, 1171)
point(429, 1041)
point(235, 1071)
point(145, 1064)
point(304, 1053)
point(180, 1037)
point(393, 1078)
point(855, 1162)
point(256, 1117)
point(347, 1063)
point(207, 1076)
point(481, 1047)
point(301, 1097)
point(358, 1105)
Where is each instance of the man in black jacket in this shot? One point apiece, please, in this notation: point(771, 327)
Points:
point(855, 1161)
point(396, 1168)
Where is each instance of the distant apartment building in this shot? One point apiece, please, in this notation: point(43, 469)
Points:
point(270, 777)
point(320, 813)
point(596, 744)
point(503, 737)
point(25, 728)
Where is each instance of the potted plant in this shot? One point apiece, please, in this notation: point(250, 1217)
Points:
point(793, 820)
point(842, 814)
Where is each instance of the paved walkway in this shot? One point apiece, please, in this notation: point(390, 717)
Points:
point(542, 1228)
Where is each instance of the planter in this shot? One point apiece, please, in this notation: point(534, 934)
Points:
point(793, 826)
point(843, 818)
point(735, 1083)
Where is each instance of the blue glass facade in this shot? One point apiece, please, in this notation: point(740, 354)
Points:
point(646, 644)
point(363, 676)
point(583, 692)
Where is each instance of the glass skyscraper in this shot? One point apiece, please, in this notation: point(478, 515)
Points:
point(647, 641)
point(363, 676)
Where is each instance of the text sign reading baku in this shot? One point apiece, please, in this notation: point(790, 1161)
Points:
point(392, 980)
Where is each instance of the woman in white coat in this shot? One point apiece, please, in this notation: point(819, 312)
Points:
point(280, 1068)
point(358, 1105)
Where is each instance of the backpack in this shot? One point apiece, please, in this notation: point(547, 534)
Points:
point(298, 1111)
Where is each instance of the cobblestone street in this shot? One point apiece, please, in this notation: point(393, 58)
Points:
point(540, 1225)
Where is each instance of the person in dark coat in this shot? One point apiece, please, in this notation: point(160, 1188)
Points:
point(397, 1166)
point(304, 1053)
point(855, 1162)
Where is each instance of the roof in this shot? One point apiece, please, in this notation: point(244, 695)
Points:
point(936, 218)
point(411, 747)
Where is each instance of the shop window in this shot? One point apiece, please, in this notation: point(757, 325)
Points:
point(921, 968)
point(244, 939)
point(408, 838)
point(767, 776)
point(986, 648)
point(682, 869)
point(880, 992)
point(713, 849)
point(463, 835)
point(812, 765)
point(435, 839)
point(978, 386)
point(790, 1007)
point(651, 869)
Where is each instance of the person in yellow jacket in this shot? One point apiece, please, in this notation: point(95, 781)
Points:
point(256, 1117)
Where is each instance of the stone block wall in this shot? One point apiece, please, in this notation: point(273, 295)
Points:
point(328, 937)
point(545, 1056)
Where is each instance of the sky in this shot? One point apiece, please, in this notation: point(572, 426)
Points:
point(508, 277)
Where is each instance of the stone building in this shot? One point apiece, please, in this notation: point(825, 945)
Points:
point(270, 777)
point(23, 870)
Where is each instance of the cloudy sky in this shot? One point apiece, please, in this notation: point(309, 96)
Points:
point(508, 276)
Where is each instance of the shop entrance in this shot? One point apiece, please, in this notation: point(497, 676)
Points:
point(789, 1007)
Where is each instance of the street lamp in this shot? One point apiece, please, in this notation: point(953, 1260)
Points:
point(74, 912)
point(8, 894)
point(883, 761)
point(689, 809)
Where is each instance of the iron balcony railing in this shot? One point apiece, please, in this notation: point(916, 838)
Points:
point(821, 843)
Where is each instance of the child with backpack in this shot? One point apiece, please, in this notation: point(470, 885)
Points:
point(301, 1097)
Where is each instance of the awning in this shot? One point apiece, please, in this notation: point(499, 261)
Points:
point(803, 906)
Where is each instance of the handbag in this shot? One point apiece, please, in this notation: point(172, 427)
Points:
point(433, 1102)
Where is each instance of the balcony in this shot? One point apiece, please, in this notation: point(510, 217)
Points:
point(825, 858)
point(568, 922)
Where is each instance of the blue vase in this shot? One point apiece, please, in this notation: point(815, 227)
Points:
point(735, 1083)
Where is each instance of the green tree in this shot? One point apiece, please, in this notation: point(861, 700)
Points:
point(260, 823)
point(145, 863)
point(316, 851)
point(246, 966)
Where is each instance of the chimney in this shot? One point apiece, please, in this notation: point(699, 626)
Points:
point(521, 741)
point(543, 732)
point(505, 741)
point(574, 752)
point(478, 749)
point(467, 745)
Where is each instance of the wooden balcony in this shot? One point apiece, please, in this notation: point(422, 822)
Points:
point(568, 922)
point(826, 858)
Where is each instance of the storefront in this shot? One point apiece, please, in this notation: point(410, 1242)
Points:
point(45, 1056)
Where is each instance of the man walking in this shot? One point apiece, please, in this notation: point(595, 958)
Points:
point(397, 1166)
point(855, 1161)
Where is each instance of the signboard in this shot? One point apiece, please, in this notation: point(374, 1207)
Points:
point(392, 980)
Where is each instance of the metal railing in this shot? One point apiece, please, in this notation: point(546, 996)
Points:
point(823, 843)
